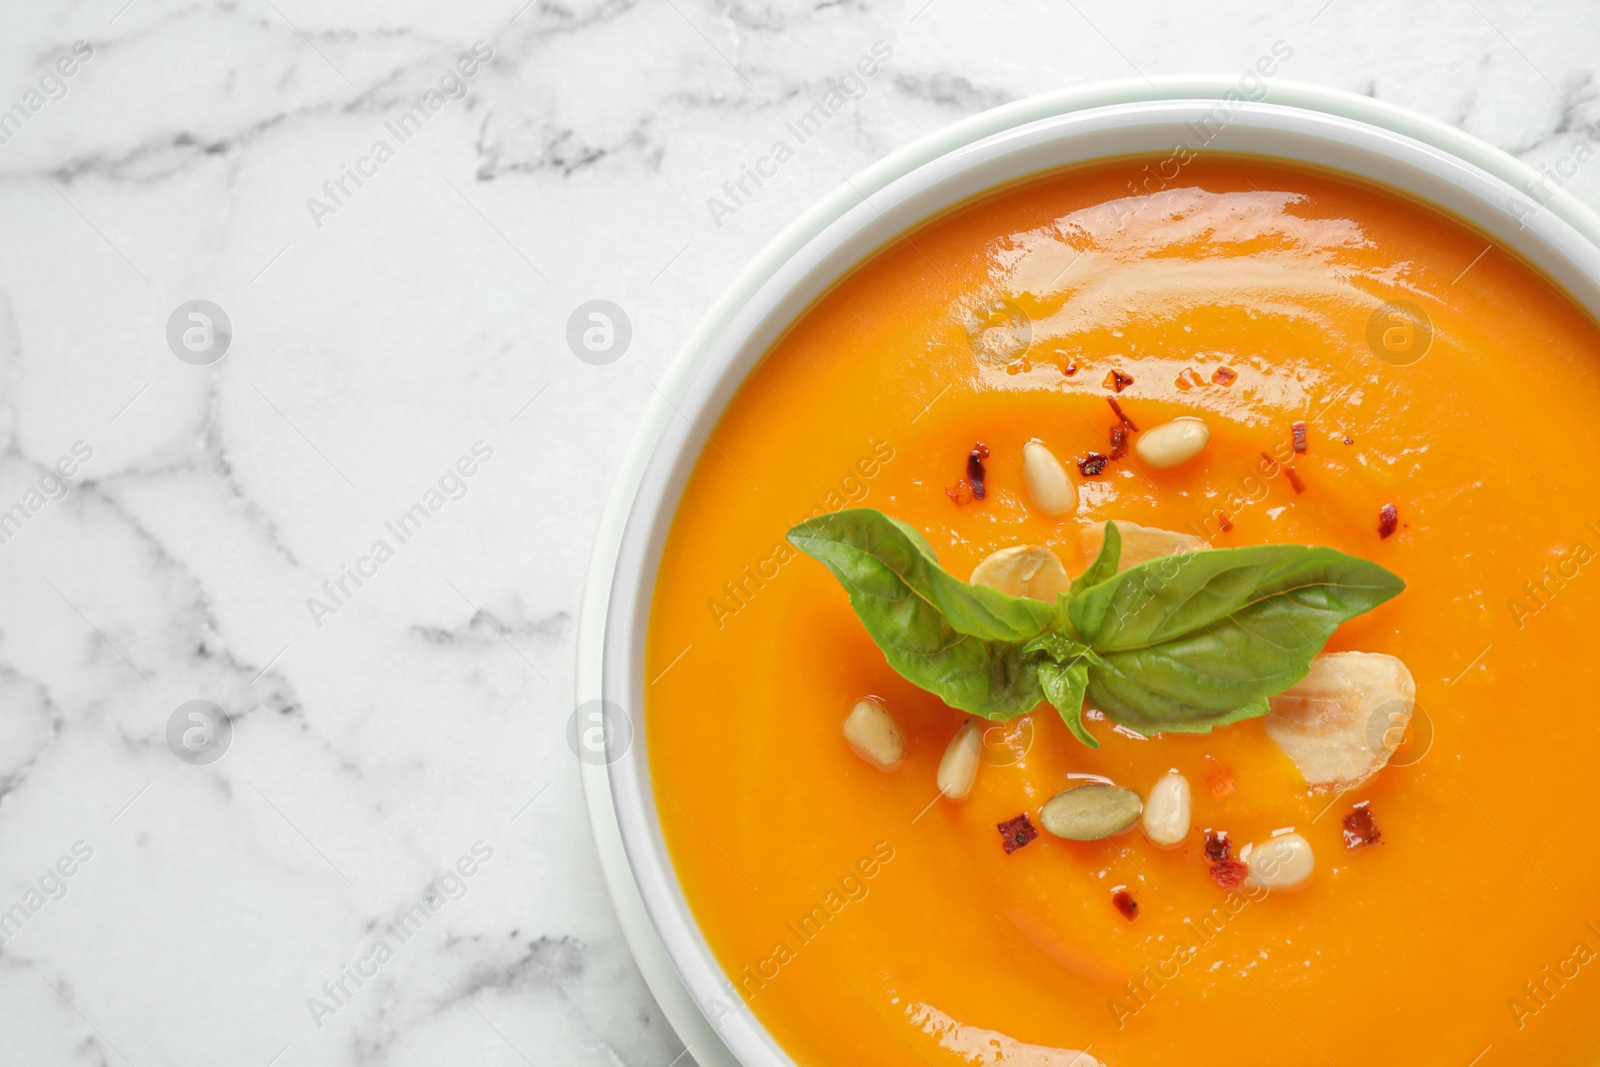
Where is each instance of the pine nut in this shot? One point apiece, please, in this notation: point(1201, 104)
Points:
point(1023, 570)
point(1173, 443)
point(874, 734)
point(1284, 862)
point(1052, 491)
point(1167, 811)
point(960, 763)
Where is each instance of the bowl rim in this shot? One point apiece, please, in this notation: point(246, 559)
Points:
point(1557, 211)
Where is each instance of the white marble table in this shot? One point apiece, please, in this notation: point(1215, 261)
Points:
point(397, 773)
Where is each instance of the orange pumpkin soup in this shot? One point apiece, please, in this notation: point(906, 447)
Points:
point(866, 918)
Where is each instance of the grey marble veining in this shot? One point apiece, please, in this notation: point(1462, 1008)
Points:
point(387, 334)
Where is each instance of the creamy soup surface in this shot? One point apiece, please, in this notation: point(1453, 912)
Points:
point(865, 919)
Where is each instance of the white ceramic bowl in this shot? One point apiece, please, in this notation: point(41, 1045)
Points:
point(1302, 124)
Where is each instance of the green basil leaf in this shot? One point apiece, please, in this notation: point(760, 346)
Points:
point(1184, 643)
point(1196, 640)
point(1064, 675)
point(1105, 564)
point(863, 540)
point(1125, 701)
point(1064, 685)
point(961, 642)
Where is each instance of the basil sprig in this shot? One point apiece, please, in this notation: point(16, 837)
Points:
point(1183, 643)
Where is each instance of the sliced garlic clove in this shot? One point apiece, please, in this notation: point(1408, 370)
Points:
point(1344, 719)
point(1023, 570)
point(1140, 544)
point(874, 734)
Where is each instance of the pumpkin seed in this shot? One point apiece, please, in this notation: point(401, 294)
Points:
point(1091, 812)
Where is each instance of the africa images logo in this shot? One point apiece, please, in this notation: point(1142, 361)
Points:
point(199, 732)
point(199, 332)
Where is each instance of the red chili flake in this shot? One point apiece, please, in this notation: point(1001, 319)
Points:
point(1271, 466)
point(1115, 379)
point(1122, 416)
point(1298, 430)
point(1119, 441)
point(1360, 830)
point(1219, 846)
point(1126, 904)
point(1070, 369)
point(1224, 522)
point(1014, 833)
point(1219, 778)
point(1295, 480)
point(960, 494)
point(1349, 440)
point(1092, 464)
point(975, 458)
point(1224, 375)
point(1388, 520)
point(1229, 873)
